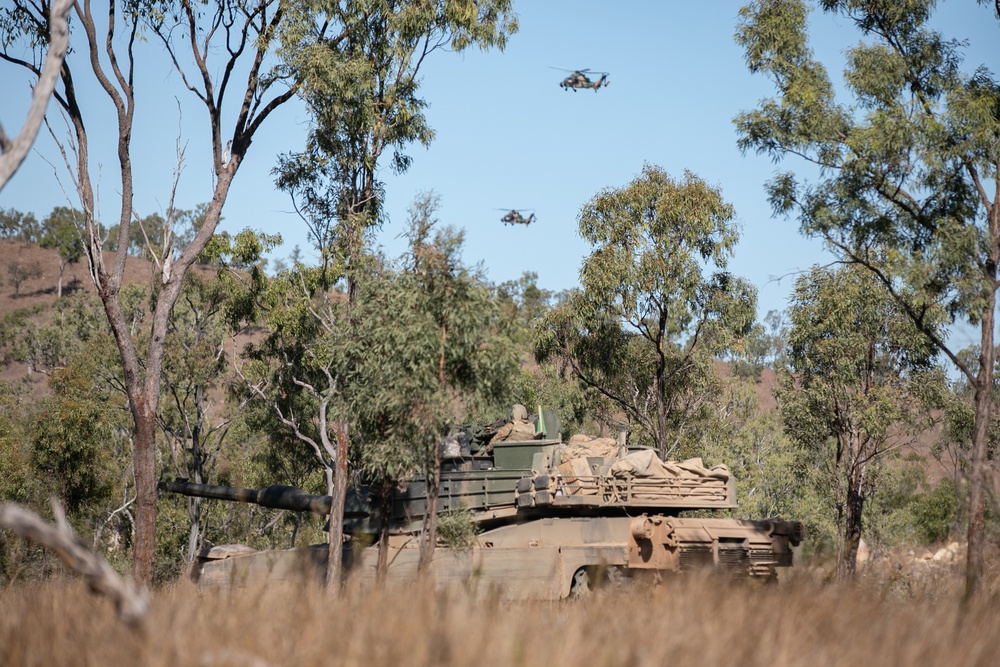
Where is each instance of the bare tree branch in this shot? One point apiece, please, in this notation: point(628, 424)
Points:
point(13, 151)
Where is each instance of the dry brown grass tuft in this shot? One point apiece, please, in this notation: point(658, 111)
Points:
point(681, 622)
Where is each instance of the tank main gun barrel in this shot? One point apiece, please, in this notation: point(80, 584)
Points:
point(277, 496)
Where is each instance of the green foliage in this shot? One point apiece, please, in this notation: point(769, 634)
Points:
point(431, 349)
point(770, 479)
point(650, 318)
point(69, 433)
point(861, 381)
point(954, 446)
point(20, 482)
point(62, 231)
point(850, 342)
point(935, 513)
point(11, 327)
point(294, 371)
point(194, 358)
point(150, 236)
point(361, 85)
point(764, 347)
point(21, 272)
point(457, 530)
point(66, 444)
point(907, 168)
point(172, 525)
point(46, 337)
point(851, 346)
point(18, 226)
point(242, 259)
point(524, 305)
point(889, 515)
point(17, 482)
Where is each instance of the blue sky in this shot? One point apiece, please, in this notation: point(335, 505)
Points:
point(509, 137)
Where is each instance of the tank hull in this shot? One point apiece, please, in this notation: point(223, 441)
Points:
point(543, 559)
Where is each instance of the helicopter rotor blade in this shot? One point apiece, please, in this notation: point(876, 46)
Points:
point(581, 71)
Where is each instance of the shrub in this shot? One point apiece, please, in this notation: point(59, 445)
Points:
point(934, 513)
point(456, 529)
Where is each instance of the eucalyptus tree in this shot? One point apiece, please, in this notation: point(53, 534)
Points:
point(362, 91)
point(909, 162)
point(193, 416)
point(363, 95)
point(18, 226)
point(296, 370)
point(860, 386)
point(649, 319)
point(69, 433)
point(525, 304)
point(433, 346)
point(61, 232)
point(49, 338)
point(420, 345)
point(21, 272)
point(72, 442)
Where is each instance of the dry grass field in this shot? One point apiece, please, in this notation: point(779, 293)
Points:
point(696, 621)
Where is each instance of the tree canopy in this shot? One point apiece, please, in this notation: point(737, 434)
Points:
point(655, 303)
point(909, 171)
point(861, 382)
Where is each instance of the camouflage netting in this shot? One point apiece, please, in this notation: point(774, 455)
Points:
point(586, 463)
point(644, 463)
point(580, 446)
point(647, 464)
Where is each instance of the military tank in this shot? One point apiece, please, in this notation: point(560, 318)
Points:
point(554, 519)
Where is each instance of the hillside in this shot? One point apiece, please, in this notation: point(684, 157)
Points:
point(43, 290)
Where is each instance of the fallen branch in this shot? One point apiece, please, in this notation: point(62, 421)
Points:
point(131, 603)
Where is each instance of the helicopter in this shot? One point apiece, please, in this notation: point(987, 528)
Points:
point(515, 217)
point(579, 79)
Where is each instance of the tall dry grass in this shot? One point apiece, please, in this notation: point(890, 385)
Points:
point(698, 621)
